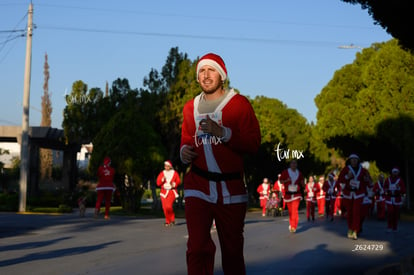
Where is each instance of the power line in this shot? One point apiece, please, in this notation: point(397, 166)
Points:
point(11, 31)
point(192, 36)
point(10, 38)
point(233, 19)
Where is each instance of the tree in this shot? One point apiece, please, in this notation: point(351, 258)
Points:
point(46, 155)
point(393, 15)
point(368, 107)
point(134, 147)
point(173, 86)
point(281, 128)
point(82, 116)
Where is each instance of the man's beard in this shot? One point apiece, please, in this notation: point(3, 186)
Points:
point(211, 89)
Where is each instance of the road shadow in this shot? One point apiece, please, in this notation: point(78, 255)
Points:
point(13, 224)
point(31, 245)
point(55, 254)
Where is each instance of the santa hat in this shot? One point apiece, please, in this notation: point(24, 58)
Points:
point(395, 170)
point(169, 163)
point(353, 156)
point(214, 61)
point(331, 175)
point(107, 161)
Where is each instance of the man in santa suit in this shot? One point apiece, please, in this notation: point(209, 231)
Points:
point(168, 180)
point(330, 187)
point(394, 188)
point(264, 190)
point(355, 179)
point(279, 188)
point(292, 179)
point(379, 196)
point(311, 189)
point(105, 187)
point(320, 197)
point(219, 127)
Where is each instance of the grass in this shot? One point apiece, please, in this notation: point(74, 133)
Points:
point(407, 215)
point(144, 212)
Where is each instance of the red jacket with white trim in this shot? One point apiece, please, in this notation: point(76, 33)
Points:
point(321, 193)
point(331, 189)
point(379, 191)
point(106, 178)
point(219, 156)
point(168, 181)
point(292, 189)
point(356, 185)
point(394, 188)
point(311, 191)
point(263, 190)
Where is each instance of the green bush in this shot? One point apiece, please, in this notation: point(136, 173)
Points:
point(148, 193)
point(9, 202)
point(64, 208)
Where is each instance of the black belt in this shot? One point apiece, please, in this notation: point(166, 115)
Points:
point(214, 176)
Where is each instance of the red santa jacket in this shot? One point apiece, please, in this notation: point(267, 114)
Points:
point(356, 185)
point(106, 178)
point(168, 180)
point(321, 194)
point(292, 189)
point(311, 190)
point(394, 188)
point(378, 190)
point(263, 190)
point(220, 160)
point(331, 189)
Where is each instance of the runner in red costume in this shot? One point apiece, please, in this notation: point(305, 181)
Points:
point(280, 189)
point(320, 197)
point(379, 194)
point(168, 180)
point(311, 190)
point(355, 179)
point(394, 188)
point(105, 186)
point(264, 190)
point(331, 188)
point(219, 128)
point(292, 179)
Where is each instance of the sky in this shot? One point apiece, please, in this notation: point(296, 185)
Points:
point(287, 50)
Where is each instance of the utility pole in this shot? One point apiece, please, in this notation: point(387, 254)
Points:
point(24, 146)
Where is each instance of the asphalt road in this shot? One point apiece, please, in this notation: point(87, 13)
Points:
point(68, 244)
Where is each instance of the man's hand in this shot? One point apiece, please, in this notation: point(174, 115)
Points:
point(209, 126)
point(188, 154)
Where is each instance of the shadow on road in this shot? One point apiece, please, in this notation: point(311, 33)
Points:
point(31, 245)
point(55, 254)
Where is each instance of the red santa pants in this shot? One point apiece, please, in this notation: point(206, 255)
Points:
point(321, 206)
point(339, 205)
point(310, 209)
point(167, 207)
point(353, 210)
point(365, 209)
point(293, 207)
point(330, 207)
point(381, 210)
point(263, 204)
point(393, 214)
point(229, 220)
point(107, 194)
